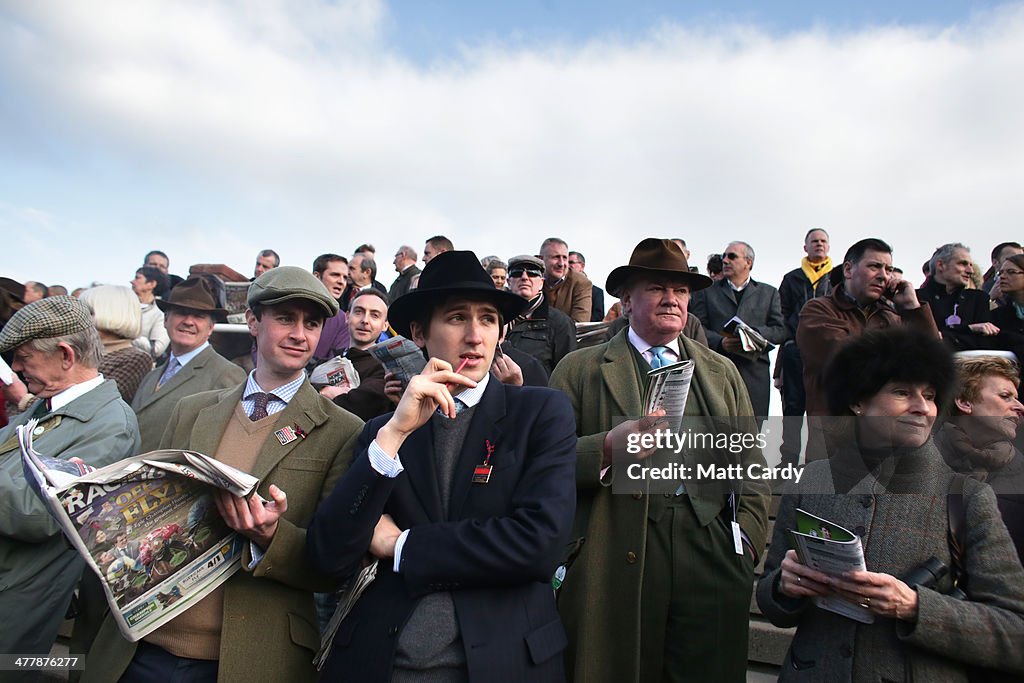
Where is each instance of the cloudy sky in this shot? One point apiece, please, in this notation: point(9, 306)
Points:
point(211, 130)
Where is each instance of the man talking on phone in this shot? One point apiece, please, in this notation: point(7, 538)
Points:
point(864, 298)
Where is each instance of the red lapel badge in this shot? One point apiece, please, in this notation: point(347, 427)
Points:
point(482, 473)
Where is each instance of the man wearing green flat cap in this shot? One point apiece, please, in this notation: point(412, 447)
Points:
point(278, 428)
point(81, 415)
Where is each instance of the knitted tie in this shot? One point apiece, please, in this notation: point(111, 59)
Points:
point(261, 400)
point(660, 357)
point(172, 369)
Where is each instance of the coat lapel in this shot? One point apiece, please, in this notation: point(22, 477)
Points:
point(180, 378)
point(619, 370)
point(418, 460)
point(486, 426)
point(212, 421)
point(305, 412)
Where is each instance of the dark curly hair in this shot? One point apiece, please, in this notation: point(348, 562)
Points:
point(865, 364)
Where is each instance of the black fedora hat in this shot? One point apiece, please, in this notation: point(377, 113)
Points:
point(194, 294)
point(451, 273)
point(656, 257)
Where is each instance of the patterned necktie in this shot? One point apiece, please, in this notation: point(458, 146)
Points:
point(261, 401)
point(172, 369)
point(660, 357)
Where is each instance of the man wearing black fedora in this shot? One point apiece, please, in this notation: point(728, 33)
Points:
point(193, 366)
point(661, 587)
point(465, 494)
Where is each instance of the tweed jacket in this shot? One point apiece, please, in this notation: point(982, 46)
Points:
point(759, 307)
point(826, 322)
point(209, 370)
point(899, 511)
point(571, 296)
point(97, 427)
point(600, 599)
point(269, 631)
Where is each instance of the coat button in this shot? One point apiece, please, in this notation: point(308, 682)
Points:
point(637, 495)
point(393, 631)
point(631, 557)
point(866, 501)
point(859, 531)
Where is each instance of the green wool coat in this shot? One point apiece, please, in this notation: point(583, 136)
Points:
point(600, 598)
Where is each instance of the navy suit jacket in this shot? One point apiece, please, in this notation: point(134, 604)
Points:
point(495, 553)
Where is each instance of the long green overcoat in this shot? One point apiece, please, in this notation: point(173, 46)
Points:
point(600, 599)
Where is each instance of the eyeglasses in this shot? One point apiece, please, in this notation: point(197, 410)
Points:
point(1009, 271)
point(730, 255)
point(520, 272)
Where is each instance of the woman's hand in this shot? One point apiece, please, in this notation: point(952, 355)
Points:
point(797, 580)
point(883, 594)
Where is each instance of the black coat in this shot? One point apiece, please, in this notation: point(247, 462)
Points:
point(971, 305)
point(794, 292)
point(548, 335)
point(495, 551)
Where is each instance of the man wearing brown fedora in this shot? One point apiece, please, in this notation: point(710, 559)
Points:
point(465, 495)
point(193, 366)
point(661, 585)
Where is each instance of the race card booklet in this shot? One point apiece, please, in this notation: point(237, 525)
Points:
point(831, 549)
point(668, 388)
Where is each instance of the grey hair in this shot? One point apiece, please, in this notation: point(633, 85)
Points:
point(750, 249)
point(945, 254)
point(408, 252)
point(270, 253)
point(86, 344)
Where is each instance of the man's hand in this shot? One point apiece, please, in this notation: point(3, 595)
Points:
point(615, 441)
point(905, 298)
point(385, 535)
point(251, 517)
point(987, 329)
point(732, 343)
point(336, 390)
point(427, 392)
point(507, 371)
point(393, 387)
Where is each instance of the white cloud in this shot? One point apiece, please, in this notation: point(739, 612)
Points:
point(711, 133)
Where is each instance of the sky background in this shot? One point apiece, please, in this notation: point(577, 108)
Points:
point(212, 130)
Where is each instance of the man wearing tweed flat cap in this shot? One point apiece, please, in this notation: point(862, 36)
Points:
point(277, 427)
point(81, 415)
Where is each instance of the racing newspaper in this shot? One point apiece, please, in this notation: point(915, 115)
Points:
point(147, 526)
point(669, 388)
point(831, 549)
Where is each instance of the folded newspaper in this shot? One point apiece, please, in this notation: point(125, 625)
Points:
point(400, 356)
point(830, 549)
point(337, 371)
point(750, 339)
point(669, 387)
point(147, 526)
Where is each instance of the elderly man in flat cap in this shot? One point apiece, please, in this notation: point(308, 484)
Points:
point(81, 415)
point(260, 623)
point(660, 590)
point(193, 365)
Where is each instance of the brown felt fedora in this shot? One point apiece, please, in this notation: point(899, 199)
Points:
point(194, 294)
point(656, 257)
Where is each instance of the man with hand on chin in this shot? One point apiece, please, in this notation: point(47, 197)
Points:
point(276, 427)
point(466, 496)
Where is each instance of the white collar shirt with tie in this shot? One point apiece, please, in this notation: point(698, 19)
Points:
point(645, 349)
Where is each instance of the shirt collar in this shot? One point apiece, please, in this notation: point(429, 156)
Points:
point(740, 288)
point(285, 392)
point(470, 397)
point(184, 358)
point(644, 348)
point(74, 391)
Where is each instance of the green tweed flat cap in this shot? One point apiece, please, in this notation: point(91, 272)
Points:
point(55, 316)
point(288, 283)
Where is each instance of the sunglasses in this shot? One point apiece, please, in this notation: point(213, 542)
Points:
point(730, 255)
point(519, 272)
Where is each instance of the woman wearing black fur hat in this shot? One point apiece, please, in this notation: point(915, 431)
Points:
point(886, 482)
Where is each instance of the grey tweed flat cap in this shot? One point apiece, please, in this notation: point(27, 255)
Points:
point(55, 316)
point(288, 283)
